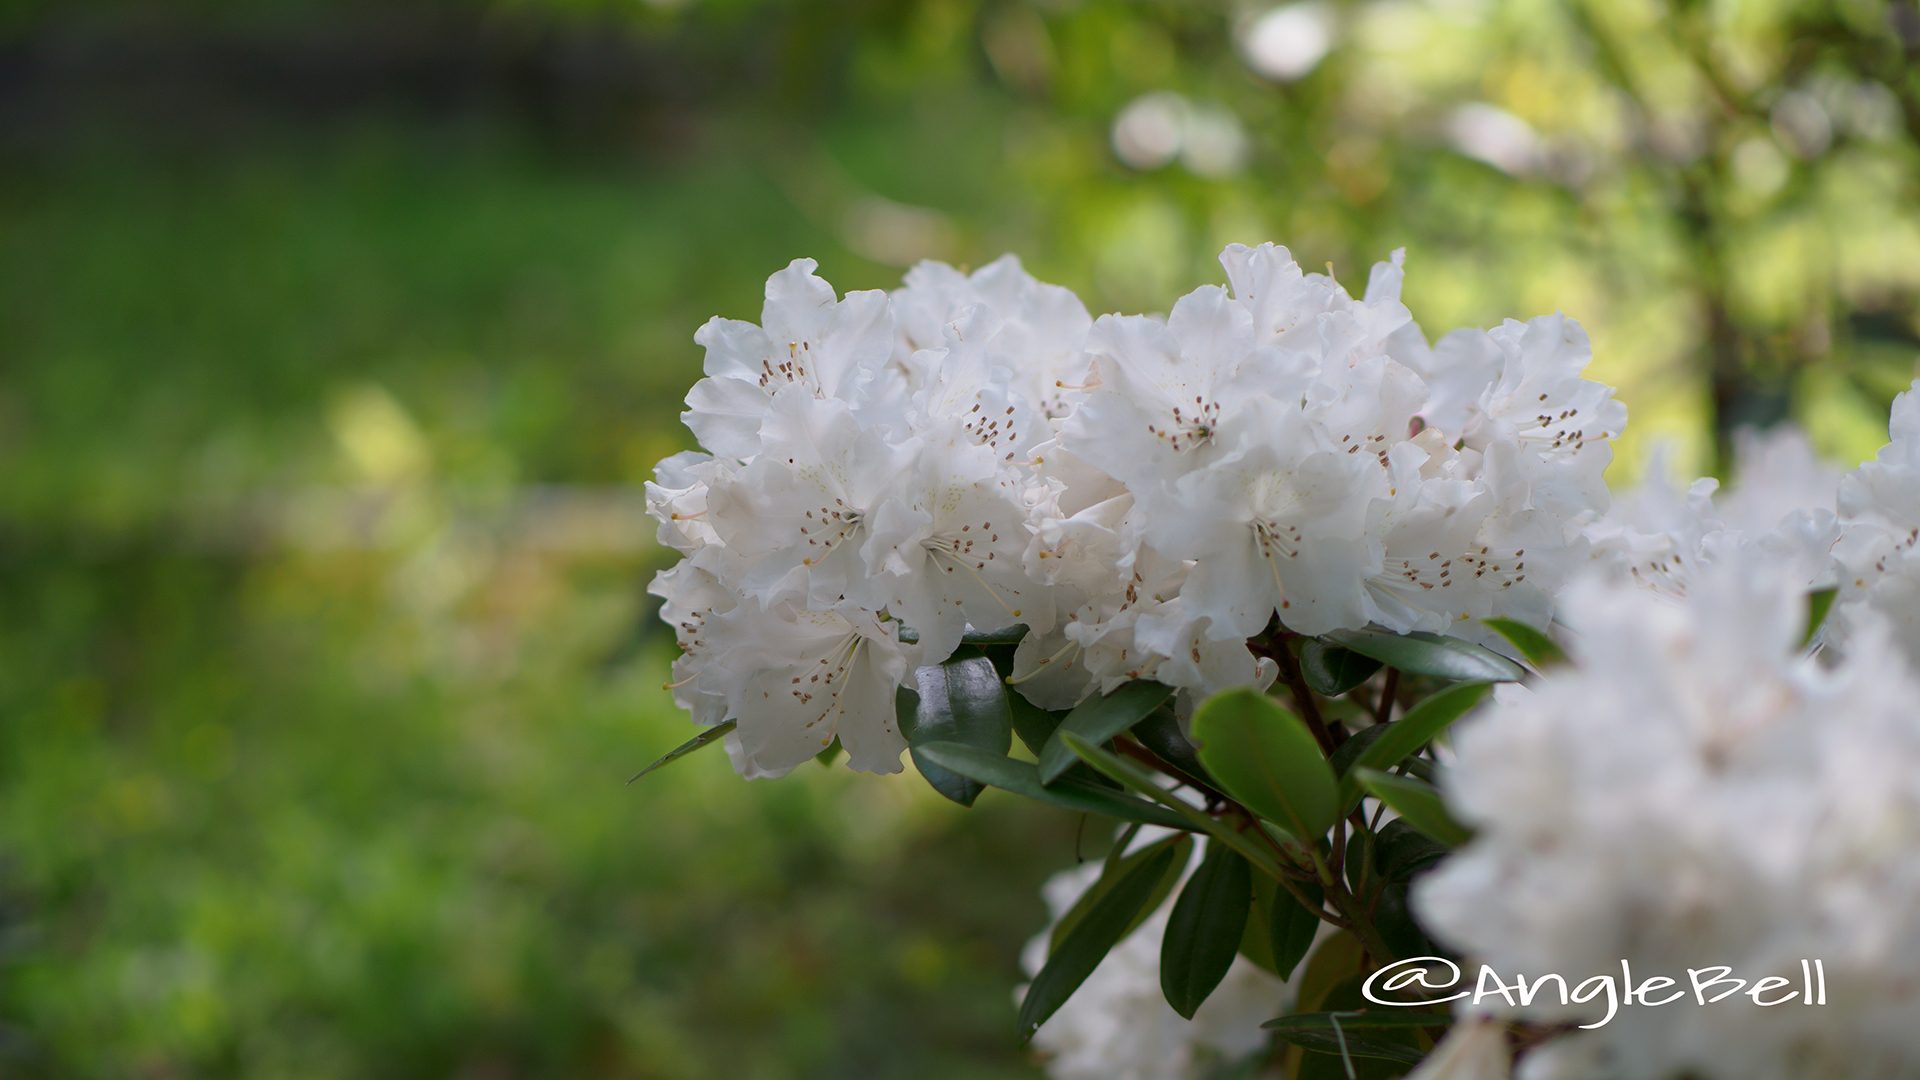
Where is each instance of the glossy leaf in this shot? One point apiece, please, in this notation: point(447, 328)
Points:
point(1416, 802)
point(1331, 670)
point(706, 738)
point(1134, 778)
point(1204, 929)
point(1083, 949)
point(1292, 928)
point(995, 770)
point(961, 701)
point(1116, 871)
point(1401, 851)
point(1160, 732)
point(1430, 654)
point(1540, 650)
point(1404, 737)
point(1265, 757)
point(1098, 720)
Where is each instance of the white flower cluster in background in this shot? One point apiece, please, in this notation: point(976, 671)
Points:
point(1143, 494)
point(1118, 1025)
point(1695, 790)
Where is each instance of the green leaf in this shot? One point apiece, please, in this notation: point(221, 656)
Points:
point(1115, 872)
point(1348, 752)
point(1422, 653)
point(961, 701)
point(1160, 732)
point(1539, 649)
point(1329, 964)
point(1358, 1032)
point(1292, 927)
point(1069, 793)
point(1393, 919)
point(1265, 757)
point(1380, 1052)
point(1099, 719)
point(1331, 670)
point(1405, 736)
point(827, 757)
point(706, 738)
point(1137, 779)
point(1083, 949)
point(1819, 603)
point(1400, 851)
point(1415, 801)
point(1204, 929)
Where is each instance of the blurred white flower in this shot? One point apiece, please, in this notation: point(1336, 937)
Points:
point(1694, 791)
point(1287, 42)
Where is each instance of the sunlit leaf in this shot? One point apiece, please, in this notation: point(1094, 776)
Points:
point(1540, 650)
point(1135, 778)
point(1265, 757)
point(1819, 603)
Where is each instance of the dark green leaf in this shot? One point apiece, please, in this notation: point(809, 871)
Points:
point(1265, 757)
point(1393, 918)
point(1400, 851)
point(1022, 779)
point(1137, 779)
point(1331, 670)
point(1539, 649)
point(1160, 732)
point(1034, 724)
point(1819, 602)
point(1337, 1049)
point(1099, 719)
point(961, 701)
point(1405, 736)
point(1116, 871)
point(1348, 752)
point(1293, 927)
point(1415, 801)
point(706, 738)
point(1204, 929)
point(1430, 654)
point(1083, 949)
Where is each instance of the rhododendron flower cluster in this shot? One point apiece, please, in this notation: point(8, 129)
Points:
point(883, 472)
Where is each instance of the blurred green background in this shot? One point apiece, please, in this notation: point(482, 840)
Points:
point(336, 340)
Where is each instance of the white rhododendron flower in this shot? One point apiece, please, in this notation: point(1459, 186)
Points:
point(1880, 505)
point(1695, 791)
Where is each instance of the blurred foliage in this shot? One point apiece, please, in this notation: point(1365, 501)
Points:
point(336, 338)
